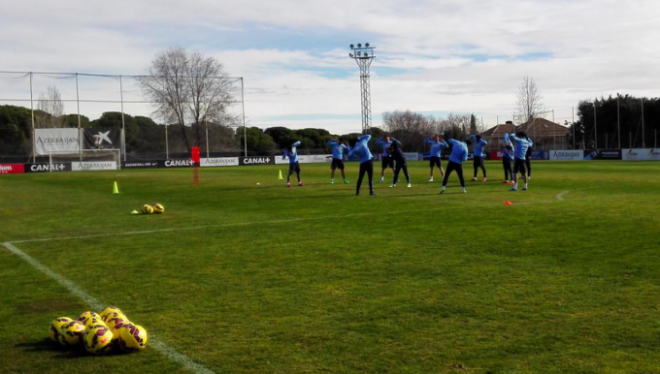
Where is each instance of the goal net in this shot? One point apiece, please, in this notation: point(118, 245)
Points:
point(86, 160)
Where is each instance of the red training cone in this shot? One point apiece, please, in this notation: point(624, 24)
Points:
point(508, 203)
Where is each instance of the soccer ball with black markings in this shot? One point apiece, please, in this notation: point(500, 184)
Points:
point(87, 316)
point(55, 326)
point(71, 333)
point(97, 339)
point(109, 310)
point(132, 338)
point(115, 325)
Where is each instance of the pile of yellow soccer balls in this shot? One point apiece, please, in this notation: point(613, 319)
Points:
point(99, 333)
point(151, 209)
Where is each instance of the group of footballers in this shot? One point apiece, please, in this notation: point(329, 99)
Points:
point(516, 159)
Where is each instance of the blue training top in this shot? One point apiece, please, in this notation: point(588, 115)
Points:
point(521, 146)
point(459, 151)
point(293, 154)
point(386, 145)
point(478, 146)
point(506, 153)
point(338, 149)
point(361, 149)
point(436, 147)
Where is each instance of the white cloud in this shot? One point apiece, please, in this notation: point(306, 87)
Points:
point(426, 49)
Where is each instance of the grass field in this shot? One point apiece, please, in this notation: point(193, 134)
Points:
point(241, 278)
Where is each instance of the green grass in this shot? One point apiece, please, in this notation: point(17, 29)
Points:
point(261, 279)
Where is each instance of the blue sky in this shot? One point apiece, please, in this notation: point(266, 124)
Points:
point(434, 56)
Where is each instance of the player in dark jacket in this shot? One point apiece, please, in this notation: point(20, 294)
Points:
point(394, 150)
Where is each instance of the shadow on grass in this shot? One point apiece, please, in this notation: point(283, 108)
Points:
point(41, 345)
point(47, 345)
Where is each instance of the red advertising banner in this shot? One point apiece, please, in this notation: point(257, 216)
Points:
point(496, 155)
point(12, 168)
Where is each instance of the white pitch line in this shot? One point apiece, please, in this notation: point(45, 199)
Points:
point(161, 347)
point(560, 196)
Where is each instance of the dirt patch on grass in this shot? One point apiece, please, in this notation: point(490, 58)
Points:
point(49, 306)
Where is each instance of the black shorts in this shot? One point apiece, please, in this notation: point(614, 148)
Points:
point(337, 163)
point(528, 154)
point(435, 161)
point(519, 166)
point(387, 162)
point(294, 168)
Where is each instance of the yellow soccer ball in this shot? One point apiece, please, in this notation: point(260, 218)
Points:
point(159, 208)
point(132, 338)
point(54, 331)
point(94, 321)
point(147, 209)
point(109, 310)
point(71, 333)
point(85, 317)
point(114, 315)
point(115, 324)
point(97, 339)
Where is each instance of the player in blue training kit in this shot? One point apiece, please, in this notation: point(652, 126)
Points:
point(294, 166)
point(437, 144)
point(361, 150)
point(459, 154)
point(478, 156)
point(507, 160)
point(386, 159)
point(339, 148)
point(520, 152)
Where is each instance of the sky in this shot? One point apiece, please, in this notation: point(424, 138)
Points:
point(434, 57)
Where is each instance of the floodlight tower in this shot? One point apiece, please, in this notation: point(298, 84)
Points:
point(364, 55)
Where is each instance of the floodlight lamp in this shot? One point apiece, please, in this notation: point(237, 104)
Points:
point(366, 54)
point(350, 55)
point(352, 46)
point(366, 45)
point(359, 45)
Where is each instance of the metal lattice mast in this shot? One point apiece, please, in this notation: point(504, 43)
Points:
point(363, 56)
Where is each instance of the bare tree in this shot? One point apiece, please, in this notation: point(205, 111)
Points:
point(473, 125)
point(529, 104)
point(50, 109)
point(189, 89)
point(456, 125)
point(409, 128)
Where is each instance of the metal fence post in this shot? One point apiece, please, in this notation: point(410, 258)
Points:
point(123, 122)
point(34, 140)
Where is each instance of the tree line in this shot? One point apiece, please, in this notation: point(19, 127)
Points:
point(636, 119)
point(144, 136)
